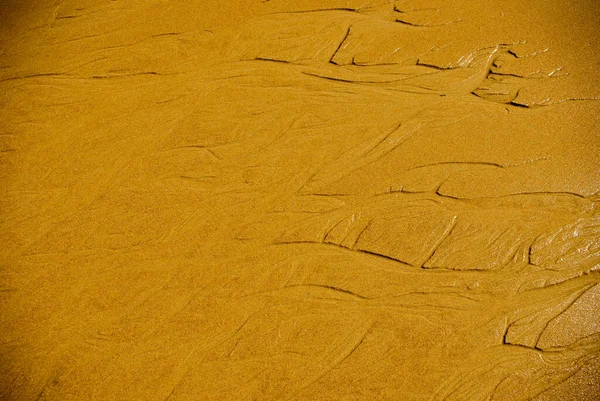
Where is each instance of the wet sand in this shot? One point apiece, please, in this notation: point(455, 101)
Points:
point(300, 200)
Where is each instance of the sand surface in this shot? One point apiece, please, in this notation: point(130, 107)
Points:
point(300, 200)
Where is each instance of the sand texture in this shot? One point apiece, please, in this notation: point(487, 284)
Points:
point(300, 200)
